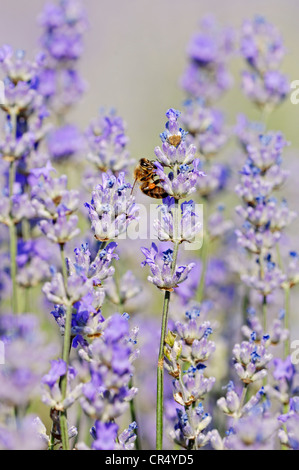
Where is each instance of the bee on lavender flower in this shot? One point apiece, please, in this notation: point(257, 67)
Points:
point(145, 174)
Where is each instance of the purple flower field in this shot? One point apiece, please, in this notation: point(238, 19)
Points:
point(148, 297)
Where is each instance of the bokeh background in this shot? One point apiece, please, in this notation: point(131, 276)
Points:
point(135, 54)
point(134, 57)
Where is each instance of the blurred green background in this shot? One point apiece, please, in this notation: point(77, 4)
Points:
point(135, 54)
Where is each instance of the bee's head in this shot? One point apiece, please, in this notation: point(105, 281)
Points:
point(144, 163)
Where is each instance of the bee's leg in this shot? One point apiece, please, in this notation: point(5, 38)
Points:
point(147, 186)
point(157, 181)
point(154, 191)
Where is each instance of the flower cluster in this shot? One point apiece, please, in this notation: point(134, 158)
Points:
point(62, 46)
point(96, 297)
point(186, 350)
point(106, 437)
point(185, 172)
point(107, 142)
point(205, 126)
point(59, 82)
point(190, 222)
point(33, 260)
point(106, 395)
point(55, 205)
point(264, 217)
point(25, 110)
point(165, 275)
point(207, 75)
point(262, 48)
point(205, 81)
point(26, 356)
point(83, 291)
point(112, 207)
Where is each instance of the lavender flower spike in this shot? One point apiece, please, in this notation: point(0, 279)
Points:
point(108, 142)
point(190, 223)
point(112, 208)
point(161, 269)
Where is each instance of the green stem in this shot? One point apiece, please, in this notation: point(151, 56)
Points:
point(265, 314)
point(102, 247)
point(160, 374)
point(242, 399)
point(134, 418)
point(52, 442)
point(63, 265)
point(204, 259)
point(204, 255)
point(121, 309)
point(65, 356)
point(245, 304)
point(13, 242)
point(27, 300)
point(160, 367)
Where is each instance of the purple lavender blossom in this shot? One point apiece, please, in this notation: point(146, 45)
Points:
point(30, 434)
point(188, 430)
point(174, 150)
point(107, 141)
point(105, 436)
point(26, 358)
point(205, 127)
point(51, 394)
point(83, 291)
point(252, 433)
point(62, 230)
point(17, 208)
point(161, 269)
point(51, 198)
point(64, 25)
point(190, 222)
point(33, 262)
point(284, 369)
point(55, 205)
point(129, 288)
point(112, 207)
point(261, 44)
point(107, 394)
point(262, 48)
point(207, 75)
point(251, 360)
point(62, 46)
point(65, 142)
point(277, 332)
point(271, 279)
point(288, 434)
point(25, 124)
point(185, 173)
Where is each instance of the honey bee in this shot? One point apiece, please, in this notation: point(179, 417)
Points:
point(145, 174)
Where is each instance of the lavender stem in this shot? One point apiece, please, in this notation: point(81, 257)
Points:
point(13, 243)
point(265, 314)
point(65, 356)
point(160, 374)
point(287, 321)
point(160, 368)
point(205, 252)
